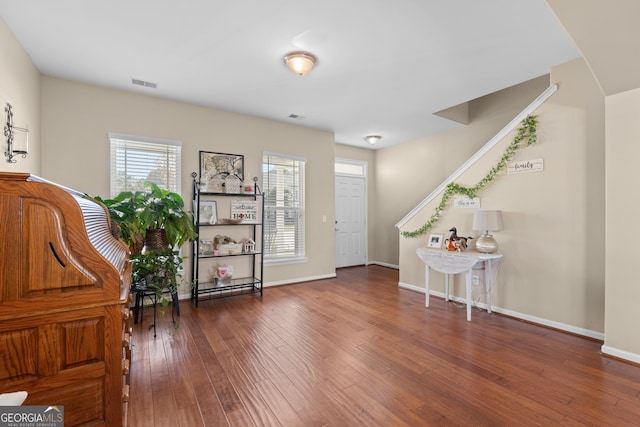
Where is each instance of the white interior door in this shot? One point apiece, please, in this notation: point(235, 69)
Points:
point(351, 221)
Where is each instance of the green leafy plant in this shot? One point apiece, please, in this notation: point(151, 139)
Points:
point(158, 270)
point(164, 209)
point(123, 210)
point(526, 131)
point(137, 212)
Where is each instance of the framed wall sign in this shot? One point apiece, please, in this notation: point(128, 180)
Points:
point(466, 203)
point(534, 165)
point(215, 167)
point(246, 210)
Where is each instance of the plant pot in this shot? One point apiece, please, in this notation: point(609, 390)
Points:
point(156, 240)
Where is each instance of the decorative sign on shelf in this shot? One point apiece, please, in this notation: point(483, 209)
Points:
point(535, 165)
point(465, 202)
point(246, 210)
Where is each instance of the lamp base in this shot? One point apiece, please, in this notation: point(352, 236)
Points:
point(486, 244)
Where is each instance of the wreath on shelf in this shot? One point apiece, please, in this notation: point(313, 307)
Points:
point(526, 131)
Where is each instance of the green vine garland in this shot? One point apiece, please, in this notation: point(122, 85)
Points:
point(526, 130)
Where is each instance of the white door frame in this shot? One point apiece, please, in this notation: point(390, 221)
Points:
point(360, 170)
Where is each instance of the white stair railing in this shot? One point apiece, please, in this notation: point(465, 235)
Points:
point(513, 124)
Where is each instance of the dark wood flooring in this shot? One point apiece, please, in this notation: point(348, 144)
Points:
point(359, 351)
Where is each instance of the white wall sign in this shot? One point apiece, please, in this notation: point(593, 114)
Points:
point(535, 165)
point(465, 202)
point(245, 210)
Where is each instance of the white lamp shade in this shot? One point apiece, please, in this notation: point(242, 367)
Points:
point(485, 220)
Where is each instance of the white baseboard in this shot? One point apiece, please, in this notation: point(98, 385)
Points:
point(515, 314)
point(300, 280)
point(551, 324)
point(384, 264)
point(621, 354)
point(414, 288)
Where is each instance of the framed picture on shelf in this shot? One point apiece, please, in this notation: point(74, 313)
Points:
point(216, 167)
point(435, 241)
point(208, 212)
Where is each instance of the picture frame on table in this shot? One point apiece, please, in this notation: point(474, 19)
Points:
point(435, 240)
point(208, 212)
point(216, 167)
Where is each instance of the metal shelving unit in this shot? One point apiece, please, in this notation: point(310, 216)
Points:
point(205, 285)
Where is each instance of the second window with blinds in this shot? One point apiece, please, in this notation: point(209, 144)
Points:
point(283, 187)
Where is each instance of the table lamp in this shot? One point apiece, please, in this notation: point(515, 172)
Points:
point(486, 221)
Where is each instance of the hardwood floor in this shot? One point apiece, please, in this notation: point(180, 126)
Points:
point(359, 351)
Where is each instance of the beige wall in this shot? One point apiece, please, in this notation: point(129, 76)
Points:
point(369, 156)
point(623, 210)
point(611, 52)
point(407, 173)
point(19, 86)
point(76, 120)
point(608, 36)
point(553, 270)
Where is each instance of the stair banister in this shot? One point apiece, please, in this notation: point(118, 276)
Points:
point(513, 124)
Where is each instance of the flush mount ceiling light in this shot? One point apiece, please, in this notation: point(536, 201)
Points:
point(301, 63)
point(372, 139)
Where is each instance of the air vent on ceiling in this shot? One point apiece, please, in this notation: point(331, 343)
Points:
point(143, 83)
point(295, 116)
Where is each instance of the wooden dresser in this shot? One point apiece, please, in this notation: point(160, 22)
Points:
point(64, 312)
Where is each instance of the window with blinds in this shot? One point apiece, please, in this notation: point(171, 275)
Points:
point(283, 187)
point(135, 160)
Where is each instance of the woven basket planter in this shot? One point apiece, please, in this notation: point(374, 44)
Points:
point(156, 240)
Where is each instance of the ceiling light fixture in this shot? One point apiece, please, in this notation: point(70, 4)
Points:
point(372, 139)
point(301, 63)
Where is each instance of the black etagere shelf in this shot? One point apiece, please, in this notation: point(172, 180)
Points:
point(205, 288)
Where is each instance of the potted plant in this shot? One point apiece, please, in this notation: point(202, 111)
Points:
point(162, 209)
point(157, 271)
point(138, 214)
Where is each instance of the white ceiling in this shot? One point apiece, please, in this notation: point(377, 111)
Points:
point(384, 66)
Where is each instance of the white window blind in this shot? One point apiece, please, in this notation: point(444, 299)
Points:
point(135, 160)
point(283, 182)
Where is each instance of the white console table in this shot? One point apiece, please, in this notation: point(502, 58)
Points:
point(448, 262)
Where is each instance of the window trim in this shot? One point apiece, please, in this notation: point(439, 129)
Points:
point(145, 140)
point(149, 139)
point(341, 160)
point(301, 258)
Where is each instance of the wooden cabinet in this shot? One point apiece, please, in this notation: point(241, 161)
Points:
point(64, 289)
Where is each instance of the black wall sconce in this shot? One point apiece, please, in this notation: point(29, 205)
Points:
point(14, 147)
